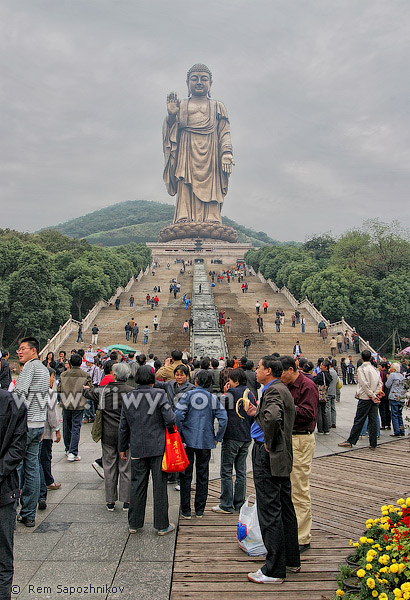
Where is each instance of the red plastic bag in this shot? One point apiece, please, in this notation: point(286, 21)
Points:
point(175, 459)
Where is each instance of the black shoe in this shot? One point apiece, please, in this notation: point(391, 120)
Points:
point(303, 548)
point(99, 462)
point(25, 521)
point(42, 504)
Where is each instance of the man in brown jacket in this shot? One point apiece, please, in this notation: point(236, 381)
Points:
point(272, 460)
point(166, 372)
point(70, 388)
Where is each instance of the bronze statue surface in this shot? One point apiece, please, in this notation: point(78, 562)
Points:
point(198, 154)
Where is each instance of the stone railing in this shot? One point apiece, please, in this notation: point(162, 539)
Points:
point(72, 325)
point(313, 311)
point(306, 305)
point(60, 337)
point(289, 296)
point(273, 285)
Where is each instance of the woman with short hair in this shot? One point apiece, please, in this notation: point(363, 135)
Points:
point(117, 472)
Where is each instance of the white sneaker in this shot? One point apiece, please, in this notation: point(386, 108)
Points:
point(178, 488)
point(259, 577)
point(218, 509)
point(72, 457)
point(99, 470)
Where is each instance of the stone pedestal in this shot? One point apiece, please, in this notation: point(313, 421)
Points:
point(191, 248)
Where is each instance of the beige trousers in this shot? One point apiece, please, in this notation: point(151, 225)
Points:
point(303, 451)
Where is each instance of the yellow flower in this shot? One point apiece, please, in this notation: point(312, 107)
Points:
point(375, 593)
point(361, 573)
point(401, 501)
point(363, 540)
point(406, 595)
point(351, 543)
point(370, 540)
point(385, 513)
point(369, 566)
point(356, 545)
point(371, 583)
point(405, 587)
point(383, 560)
point(340, 593)
point(384, 569)
point(383, 596)
point(384, 507)
point(397, 593)
point(407, 501)
point(394, 568)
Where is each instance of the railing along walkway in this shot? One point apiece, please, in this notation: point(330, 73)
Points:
point(346, 489)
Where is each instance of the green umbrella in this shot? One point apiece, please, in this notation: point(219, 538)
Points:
point(125, 349)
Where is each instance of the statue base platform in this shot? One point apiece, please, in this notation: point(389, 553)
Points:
point(190, 248)
point(203, 231)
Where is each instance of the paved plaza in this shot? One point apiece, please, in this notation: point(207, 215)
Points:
point(78, 544)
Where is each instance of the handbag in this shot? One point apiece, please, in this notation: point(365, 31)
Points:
point(175, 459)
point(96, 430)
point(339, 384)
point(322, 389)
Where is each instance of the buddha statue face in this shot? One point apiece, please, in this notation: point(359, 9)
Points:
point(199, 83)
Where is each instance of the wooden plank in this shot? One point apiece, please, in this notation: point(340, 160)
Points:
point(208, 563)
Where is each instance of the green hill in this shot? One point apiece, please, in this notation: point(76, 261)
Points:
point(139, 221)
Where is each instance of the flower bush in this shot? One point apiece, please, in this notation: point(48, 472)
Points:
point(382, 556)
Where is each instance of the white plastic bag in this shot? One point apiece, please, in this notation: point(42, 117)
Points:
point(248, 532)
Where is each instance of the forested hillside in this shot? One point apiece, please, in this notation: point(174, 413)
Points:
point(44, 277)
point(363, 276)
point(139, 221)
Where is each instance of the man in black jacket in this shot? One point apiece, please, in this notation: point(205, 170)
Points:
point(13, 435)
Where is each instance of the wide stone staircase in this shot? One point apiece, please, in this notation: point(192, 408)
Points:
point(170, 312)
point(241, 308)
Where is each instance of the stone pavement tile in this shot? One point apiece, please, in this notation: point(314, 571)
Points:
point(86, 513)
point(84, 496)
point(37, 546)
point(82, 466)
point(64, 475)
point(142, 581)
point(147, 546)
point(92, 542)
point(24, 570)
point(65, 574)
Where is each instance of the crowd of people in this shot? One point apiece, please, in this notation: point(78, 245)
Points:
point(136, 399)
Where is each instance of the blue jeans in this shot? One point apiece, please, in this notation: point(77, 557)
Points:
point(277, 328)
point(7, 523)
point(145, 339)
point(234, 453)
point(72, 421)
point(396, 409)
point(29, 473)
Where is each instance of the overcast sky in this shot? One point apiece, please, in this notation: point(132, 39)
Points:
point(317, 93)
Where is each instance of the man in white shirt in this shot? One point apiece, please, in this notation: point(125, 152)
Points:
point(368, 390)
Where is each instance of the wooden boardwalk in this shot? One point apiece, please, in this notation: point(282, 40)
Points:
point(346, 489)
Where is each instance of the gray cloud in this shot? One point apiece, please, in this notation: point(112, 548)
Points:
point(317, 94)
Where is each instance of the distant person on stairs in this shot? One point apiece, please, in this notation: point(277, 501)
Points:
point(246, 344)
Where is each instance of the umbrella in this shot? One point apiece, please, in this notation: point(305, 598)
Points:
point(405, 351)
point(123, 347)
